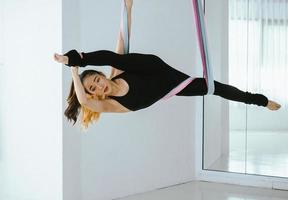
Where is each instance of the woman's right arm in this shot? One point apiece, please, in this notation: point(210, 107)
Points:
point(79, 88)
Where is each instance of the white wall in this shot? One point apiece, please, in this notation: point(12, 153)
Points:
point(31, 94)
point(135, 152)
point(146, 150)
point(71, 135)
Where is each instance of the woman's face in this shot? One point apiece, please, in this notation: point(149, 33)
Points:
point(97, 84)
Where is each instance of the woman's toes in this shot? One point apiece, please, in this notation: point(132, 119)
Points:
point(57, 57)
point(54, 56)
point(273, 105)
point(277, 105)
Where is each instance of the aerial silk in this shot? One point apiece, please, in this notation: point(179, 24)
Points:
point(203, 45)
point(124, 28)
point(202, 42)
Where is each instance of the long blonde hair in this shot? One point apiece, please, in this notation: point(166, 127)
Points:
point(88, 116)
point(74, 107)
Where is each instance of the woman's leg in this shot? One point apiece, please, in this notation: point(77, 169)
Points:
point(120, 40)
point(104, 57)
point(198, 87)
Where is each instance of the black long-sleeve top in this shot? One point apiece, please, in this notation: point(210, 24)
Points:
point(149, 77)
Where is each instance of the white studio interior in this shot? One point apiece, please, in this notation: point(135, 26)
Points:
point(202, 147)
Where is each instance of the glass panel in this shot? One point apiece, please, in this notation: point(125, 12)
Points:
point(267, 131)
point(240, 137)
point(237, 54)
point(224, 132)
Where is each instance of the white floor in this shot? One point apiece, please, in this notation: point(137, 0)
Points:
point(210, 191)
point(266, 154)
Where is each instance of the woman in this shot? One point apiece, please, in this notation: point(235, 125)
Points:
point(137, 81)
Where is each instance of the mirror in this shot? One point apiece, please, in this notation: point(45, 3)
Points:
point(248, 45)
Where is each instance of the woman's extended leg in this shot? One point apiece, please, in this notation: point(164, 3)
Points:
point(120, 41)
point(119, 46)
point(199, 88)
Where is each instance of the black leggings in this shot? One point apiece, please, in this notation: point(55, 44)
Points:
point(198, 87)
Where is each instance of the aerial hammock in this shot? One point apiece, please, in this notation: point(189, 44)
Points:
point(202, 42)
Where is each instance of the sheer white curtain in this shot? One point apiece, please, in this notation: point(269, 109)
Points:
point(258, 31)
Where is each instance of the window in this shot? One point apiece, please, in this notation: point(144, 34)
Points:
point(258, 32)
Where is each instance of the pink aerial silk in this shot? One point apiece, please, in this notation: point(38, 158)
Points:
point(202, 41)
point(200, 36)
point(179, 88)
point(124, 28)
point(200, 25)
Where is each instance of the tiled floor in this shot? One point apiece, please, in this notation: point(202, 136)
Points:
point(267, 154)
point(210, 191)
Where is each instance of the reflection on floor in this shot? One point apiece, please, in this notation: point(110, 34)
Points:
point(267, 154)
point(210, 191)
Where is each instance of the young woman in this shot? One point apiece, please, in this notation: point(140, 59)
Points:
point(137, 81)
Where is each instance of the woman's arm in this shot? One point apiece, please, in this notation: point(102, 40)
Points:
point(93, 104)
point(79, 89)
point(120, 41)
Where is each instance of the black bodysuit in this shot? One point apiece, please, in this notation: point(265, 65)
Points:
point(150, 78)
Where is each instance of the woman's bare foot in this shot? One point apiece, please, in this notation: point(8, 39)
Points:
point(61, 59)
point(273, 105)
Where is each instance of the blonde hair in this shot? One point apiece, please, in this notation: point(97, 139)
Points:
point(88, 116)
point(74, 107)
